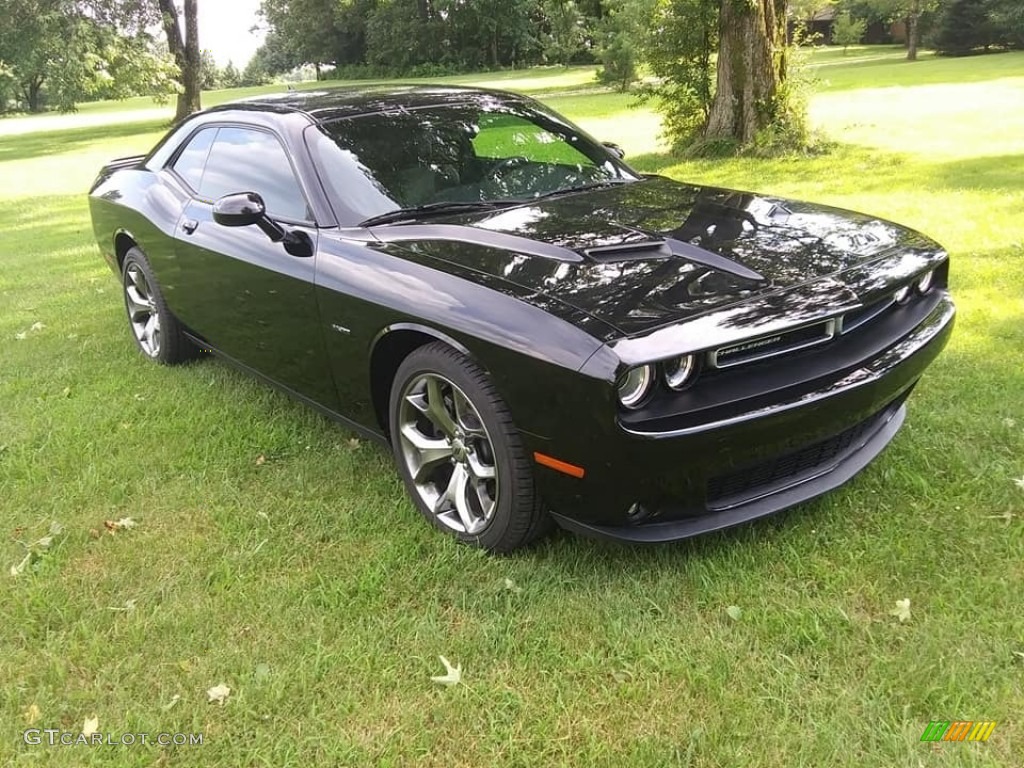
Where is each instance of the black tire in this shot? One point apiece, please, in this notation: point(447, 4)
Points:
point(139, 287)
point(517, 518)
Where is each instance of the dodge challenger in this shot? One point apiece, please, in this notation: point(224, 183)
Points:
point(538, 333)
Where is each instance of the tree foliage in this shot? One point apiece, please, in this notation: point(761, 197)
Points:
point(60, 52)
point(679, 46)
point(619, 41)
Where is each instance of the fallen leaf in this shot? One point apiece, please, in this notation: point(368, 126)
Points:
point(218, 694)
point(37, 326)
point(1009, 422)
point(17, 569)
point(453, 676)
point(90, 726)
point(21, 336)
point(262, 672)
point(94, 534)
point(261, 460)
point(170, 704)
point(353, 443)
point(734, 612)
point(32, 714)
point(1020, 482)
point(902, 610)
point(124, 524)
point(512, 587)
point(66, 392)
point(128, 607)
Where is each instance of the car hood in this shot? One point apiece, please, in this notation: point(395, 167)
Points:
point(641, 255)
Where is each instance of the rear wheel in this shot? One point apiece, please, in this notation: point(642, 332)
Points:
point(459, 453)
point(156, 331)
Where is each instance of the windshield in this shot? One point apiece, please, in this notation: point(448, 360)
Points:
point(465, 153)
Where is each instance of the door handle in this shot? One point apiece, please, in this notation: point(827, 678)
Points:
point(189, 226)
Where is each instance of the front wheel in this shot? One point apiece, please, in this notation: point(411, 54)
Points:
point(459, 453)
point(157, 332)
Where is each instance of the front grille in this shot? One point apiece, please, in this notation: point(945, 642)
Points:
point(776, 344)
point(783, 471)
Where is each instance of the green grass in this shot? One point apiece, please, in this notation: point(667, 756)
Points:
point(306, 582)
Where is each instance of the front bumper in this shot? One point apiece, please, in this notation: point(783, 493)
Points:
point(672, 485)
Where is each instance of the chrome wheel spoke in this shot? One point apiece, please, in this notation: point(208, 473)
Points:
point(469, 520)
point(437, 411)
point(446, 501)
point(427, 453)
point(478, 469)
point(484, 499)
point(466, 416)
point(137, 304)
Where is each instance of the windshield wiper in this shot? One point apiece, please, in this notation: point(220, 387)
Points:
point(578, 188)
point(433, 209)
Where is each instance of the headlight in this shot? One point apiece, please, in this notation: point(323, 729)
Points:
point(902, 296)
point(633, 387)
point(924, 283)
point(679, 371)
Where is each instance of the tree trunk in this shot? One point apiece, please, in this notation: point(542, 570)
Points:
point(912, 36)
point(32, 89)
point(185, 51)
point(751, 67)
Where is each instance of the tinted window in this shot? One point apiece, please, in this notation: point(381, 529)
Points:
point(190, 162)
point(456, 153)
point(245, 160)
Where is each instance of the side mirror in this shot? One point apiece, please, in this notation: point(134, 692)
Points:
point(247, 208)
point(615, 149)
point(241, 210)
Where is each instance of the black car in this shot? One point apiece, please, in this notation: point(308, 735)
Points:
point(539, 332)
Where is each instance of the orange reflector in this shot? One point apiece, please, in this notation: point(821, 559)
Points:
point(559, 466)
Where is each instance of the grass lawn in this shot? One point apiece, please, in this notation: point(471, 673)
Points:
point(274, 553)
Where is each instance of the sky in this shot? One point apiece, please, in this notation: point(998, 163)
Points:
point(224, 30)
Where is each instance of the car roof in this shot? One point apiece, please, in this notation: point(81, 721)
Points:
point(326, 104)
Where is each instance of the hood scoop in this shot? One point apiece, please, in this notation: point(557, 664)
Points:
point(667, 247)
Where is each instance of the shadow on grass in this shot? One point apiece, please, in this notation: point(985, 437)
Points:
point(40, 144)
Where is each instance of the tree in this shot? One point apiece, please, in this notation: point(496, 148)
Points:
point(619, 41)
point(1007, 17)
point(911, 12)
point(209, 72)
point(185, 50)
point(847, 31)
point(565, 38)
point(751, 70)
point(230, 77)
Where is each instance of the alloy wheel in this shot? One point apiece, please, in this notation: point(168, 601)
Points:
point(142, 310)
point(448, 453)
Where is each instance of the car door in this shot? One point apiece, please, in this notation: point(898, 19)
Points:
point(244, 294)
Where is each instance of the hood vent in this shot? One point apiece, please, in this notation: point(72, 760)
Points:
point(668, 247)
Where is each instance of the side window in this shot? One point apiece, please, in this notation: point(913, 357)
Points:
point(192, 159)
point(246, 160)
point(503, 136)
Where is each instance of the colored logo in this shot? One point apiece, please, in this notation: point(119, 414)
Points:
point(958, 730)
